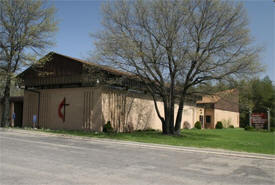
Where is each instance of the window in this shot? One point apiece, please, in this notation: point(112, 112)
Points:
point(208, 119)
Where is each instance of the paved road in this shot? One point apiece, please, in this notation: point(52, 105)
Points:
point(35, 159)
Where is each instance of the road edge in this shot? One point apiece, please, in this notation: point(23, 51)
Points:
point(150, 145)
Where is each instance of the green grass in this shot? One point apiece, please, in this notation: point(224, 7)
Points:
point(236, 139)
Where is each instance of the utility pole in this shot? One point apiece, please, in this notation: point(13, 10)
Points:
point(268, 119)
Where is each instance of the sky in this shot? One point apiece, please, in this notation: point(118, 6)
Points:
point(78, 19)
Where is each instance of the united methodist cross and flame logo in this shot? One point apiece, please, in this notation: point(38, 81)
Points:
point(62, 109)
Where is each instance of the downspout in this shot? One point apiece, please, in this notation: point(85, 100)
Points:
point(38, 111)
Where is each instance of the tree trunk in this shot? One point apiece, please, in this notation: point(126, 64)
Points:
point(164, 127)
point(179, 116)
point(166, 117)
point(171, 108)
point(169, 119)
point(171, 122)
point(6, 103)
point(169, 126)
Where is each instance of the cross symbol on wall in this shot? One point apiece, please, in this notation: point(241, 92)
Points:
point(63, 105)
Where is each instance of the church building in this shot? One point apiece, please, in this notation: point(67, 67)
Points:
point(62, 92)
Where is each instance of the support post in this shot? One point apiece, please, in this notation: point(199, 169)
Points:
point(268, 119)
point(250, 121)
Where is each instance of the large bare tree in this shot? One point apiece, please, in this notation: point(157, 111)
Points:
point(26, 27)
point(176, 45)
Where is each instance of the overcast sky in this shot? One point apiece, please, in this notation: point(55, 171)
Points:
point(77, 19)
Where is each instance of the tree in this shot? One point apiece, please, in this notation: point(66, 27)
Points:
point(174, 46)
point(26, 27)
point(257, 95)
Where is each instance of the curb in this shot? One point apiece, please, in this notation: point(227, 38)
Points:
point(151, 145)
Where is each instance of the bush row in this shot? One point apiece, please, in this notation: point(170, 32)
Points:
point(219, 125)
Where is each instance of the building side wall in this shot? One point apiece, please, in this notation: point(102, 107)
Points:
point(227, 118)
point(128, 112)
point(91, 108)
point(30, 108)
point(191, 114)
point(84, 104)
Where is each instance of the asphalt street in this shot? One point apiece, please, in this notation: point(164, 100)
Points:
point(36, 159)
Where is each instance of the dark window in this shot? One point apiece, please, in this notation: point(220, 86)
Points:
point(208, 119)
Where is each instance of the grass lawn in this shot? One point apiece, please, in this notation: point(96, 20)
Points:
point(236, 139)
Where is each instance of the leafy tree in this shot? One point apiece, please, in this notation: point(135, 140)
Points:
point(263, 94)
point(256, 95)
point(14, 90)
point(263, 97)
point(174, 46)
point(26, 27)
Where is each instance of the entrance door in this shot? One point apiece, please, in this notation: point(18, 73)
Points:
point(18, 110)
point(207, 121)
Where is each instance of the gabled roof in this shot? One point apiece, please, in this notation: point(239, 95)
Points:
point(98, 66)
point(216, 97)
point(27, 74)
point(102, 67)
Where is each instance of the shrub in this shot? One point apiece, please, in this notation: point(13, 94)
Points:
point(186, 125)
point(249, 128)
point(219, 125)
point(272, 129)
point(231, 126)
point(198, 125)
point(108, 127)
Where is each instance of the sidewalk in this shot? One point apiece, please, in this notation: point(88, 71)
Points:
point(150, 145)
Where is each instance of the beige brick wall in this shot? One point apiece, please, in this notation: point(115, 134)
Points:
point(129, 112)
point(191, 115)
point(227, 117)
